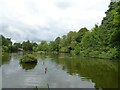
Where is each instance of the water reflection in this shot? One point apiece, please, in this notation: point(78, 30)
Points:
point(6, 57)
point(61, 70)
point(104, 73)
point(28, 66)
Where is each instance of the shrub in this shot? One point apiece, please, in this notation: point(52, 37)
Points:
point(28, 58)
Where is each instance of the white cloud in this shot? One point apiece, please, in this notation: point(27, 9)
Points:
point(46, 19)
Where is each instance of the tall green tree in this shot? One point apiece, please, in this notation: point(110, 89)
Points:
point(6, 44)
point(43, 46)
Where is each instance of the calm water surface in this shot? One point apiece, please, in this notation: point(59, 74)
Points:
point(58, 71)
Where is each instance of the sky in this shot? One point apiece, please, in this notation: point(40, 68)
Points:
point(38, 20)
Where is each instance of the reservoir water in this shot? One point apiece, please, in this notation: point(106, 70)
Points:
point(58, 71)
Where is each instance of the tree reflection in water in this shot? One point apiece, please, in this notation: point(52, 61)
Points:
point(28, 66)
point(104, 73)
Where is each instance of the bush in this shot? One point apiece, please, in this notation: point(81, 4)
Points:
point(28, 58)
point(112, 53)
point(64, 50)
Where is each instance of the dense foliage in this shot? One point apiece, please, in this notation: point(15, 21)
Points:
point(6, 43)
point(102, 41)
point(27, 58)
point(8, 46)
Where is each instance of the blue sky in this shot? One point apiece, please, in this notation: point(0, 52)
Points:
point(38, 20)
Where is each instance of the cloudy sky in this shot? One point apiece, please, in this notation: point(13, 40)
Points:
point(38, 20)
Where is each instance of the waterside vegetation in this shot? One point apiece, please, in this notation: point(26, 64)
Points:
point(101, 41)
point(28, 58)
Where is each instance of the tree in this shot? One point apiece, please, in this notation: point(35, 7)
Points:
point(27, 45)
point(52, 46)
point(16, 46)
point(81, 34)
point(6, 44)
point(43, 46)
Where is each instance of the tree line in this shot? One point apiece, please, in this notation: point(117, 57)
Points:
point(101, 41)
